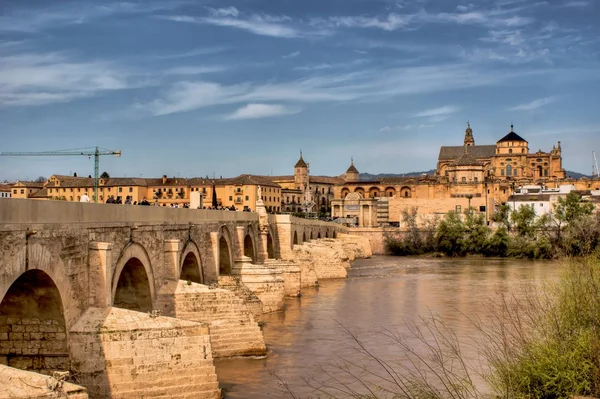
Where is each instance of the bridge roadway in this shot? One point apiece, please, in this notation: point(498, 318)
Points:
point(87, 288)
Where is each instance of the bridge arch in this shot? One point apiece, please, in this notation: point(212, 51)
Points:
point(319, 235)
point(303, 237)
point(133, 280)
point(295, 240)
point(225, 256)
point(250, 249)
point(311, 235)
point(190, 268)
point(33, 307)
point(326, 233)
point(270, 246)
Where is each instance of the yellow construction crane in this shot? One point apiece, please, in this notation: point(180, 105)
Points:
point(89, 152)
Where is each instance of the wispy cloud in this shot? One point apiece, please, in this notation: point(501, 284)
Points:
point(194, 70)
point(576, 3)
point(445, 110)
point(535, 104)
point(37, 79)
point(291, 55)
point(259, 24)
point(373, 84)
point(74, 13)
point(395, 21)
point(256, 111)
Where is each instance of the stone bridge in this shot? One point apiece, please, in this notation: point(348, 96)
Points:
point(136, 301)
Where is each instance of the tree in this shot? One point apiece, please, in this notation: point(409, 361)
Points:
point(572, 208)
point(476, 232)
point(524, 221)
point(502, 217)
point(105, 175)
point(450, 235)
point(40, 179)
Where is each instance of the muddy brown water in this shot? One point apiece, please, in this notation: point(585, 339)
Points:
point(382, 293)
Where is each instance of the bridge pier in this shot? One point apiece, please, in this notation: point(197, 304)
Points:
point(120, 353)
point(99, 262)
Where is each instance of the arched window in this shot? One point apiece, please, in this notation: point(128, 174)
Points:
point(510, 151)
point(508, 170)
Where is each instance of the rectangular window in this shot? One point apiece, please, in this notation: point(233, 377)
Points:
point(502, 172)
point(481, 208)
point(15, 192)
point(130, 189)
point(230, 198)
point(120, 189)
point(247, 198)
point(546, 172)
point(22, 191)
point(515, 172)
point(458, 209)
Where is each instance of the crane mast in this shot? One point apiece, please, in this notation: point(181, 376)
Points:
point(595, 170)
point(96, 152)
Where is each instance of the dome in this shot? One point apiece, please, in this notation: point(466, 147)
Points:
point(512, 136)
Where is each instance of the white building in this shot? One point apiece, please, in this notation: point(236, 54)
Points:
point(543, 199)
point(5, 190)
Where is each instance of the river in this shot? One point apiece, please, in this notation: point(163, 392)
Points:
point(380, 293)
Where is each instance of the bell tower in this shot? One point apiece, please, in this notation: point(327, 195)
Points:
point(469, 140)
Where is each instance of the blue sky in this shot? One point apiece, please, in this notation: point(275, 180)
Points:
point(192, 88)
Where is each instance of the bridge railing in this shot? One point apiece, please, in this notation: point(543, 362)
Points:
point(26, 211)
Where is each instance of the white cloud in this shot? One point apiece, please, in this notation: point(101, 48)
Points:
point(362, 52)
point(386, 129)
point(256, 111)
point(259, 24)
point(224, 12)
point(445, 110)
point(37, 79)
point(291, 55)
point(535, 104)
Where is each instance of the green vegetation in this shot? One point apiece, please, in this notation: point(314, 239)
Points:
point(572, 229)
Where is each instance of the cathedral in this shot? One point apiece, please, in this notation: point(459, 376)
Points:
point(508, 159)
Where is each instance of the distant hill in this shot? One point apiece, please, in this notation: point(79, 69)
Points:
point(371, 177)
point(576, 175)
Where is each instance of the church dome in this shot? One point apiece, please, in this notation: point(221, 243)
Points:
point(511, 136)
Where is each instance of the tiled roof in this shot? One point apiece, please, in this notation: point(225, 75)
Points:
point(281, 178)
point(5, 187)
point(301, 163)
point(29, 184)
point(125, 181)
point(71, 182)
point(249, 180)
point(448, 153)
point(352, 169)
point(170, 181)
point(467, 159)
point(326, 179)
point(529, 197)
point(43, 193)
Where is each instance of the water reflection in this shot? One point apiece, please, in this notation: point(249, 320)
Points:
point(380, 293)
